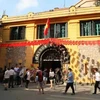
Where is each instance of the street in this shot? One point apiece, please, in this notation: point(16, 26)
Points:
point(19, 93)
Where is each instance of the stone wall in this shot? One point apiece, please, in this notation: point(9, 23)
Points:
point(15, 55)
point(88, 54)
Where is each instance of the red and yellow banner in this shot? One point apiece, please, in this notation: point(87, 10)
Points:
point(46, 27)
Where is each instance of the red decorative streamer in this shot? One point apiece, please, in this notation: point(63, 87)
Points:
point(51, 40)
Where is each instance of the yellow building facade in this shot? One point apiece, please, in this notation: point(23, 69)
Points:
point(76, 23)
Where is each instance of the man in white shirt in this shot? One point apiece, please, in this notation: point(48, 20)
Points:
point(6, 78)
point(16, 68)
point(11, 80)
point(27, 77)
point(97, 81)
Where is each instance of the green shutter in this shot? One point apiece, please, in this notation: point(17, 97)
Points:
point(97, 28)
point(55, 30)
point(66, 29)
point(38, 31)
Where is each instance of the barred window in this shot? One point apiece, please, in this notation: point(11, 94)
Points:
point(57, 30)
point(88, 28)
point(17, 33)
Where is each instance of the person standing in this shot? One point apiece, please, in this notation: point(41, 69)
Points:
point(51, 77)
point(11, 79)
point(70, 82)
point(28, 75)
point(56, 76)
point(16, 68)
point(45, 74)
point(6, 79)
point(21, 74)
point(97, 80)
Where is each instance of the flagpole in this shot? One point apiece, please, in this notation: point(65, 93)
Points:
point(64, 3)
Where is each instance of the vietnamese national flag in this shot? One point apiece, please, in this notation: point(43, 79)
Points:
point(46, 27)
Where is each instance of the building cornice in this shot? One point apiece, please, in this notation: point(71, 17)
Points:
point(82, 2)
point(72, 11)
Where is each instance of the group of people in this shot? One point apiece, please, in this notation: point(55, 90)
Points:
point(19, 74)
point(14, 76)
point(70, 80)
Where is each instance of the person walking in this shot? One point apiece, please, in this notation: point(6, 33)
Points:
point(40, 81)
point(97, 80)
point(70, 82)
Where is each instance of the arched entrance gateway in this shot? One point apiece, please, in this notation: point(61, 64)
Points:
point(51, 56)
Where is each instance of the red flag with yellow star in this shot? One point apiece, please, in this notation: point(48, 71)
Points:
point(46, 27)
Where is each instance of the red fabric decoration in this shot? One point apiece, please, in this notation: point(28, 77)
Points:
point(50, 40)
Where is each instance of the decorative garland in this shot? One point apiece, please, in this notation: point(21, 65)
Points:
point(52, 40)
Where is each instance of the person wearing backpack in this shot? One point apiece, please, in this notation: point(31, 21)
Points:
point(40, 81)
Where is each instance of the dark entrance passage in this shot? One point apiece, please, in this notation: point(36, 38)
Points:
point(50, 58)
point(51, 64)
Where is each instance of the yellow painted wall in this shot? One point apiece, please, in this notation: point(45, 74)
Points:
point(73, 29)
point(30, 32)
point(30, 35)
point(4, 37)
point(29, 56)
point(6, 34)
point(2, 57)
point(1, 34)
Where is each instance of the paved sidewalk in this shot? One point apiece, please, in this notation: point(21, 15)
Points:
point(87, 89)
point(20, 93)
point(79, 89)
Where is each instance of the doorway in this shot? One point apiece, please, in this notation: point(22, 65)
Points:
point(51, 56)
point(51, 64)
